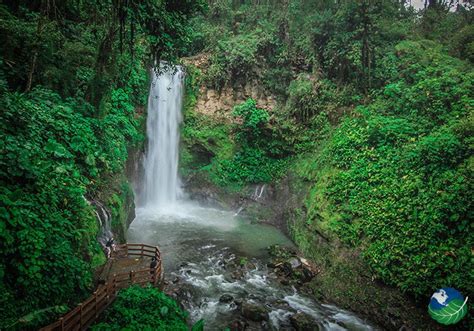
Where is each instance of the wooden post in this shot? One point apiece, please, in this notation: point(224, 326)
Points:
point(153, 275)
point(80, 314)
point(132, 276)
point(95, 304)
point(141, 251)
point(62, 323)
point(107, 294)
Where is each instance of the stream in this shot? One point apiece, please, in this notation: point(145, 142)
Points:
point(202, 250)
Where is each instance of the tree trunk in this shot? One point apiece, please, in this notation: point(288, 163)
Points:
point(32, 70)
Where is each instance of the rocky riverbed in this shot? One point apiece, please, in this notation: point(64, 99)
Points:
point(235, 273)
point(230, 291)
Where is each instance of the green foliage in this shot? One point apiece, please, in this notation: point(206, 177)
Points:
point(73, 81)
point(79, 49)
point(203, 137)
point(198, 326)
point(273, 42)
point(138, 308)
point(453, 29)
point(310, 96)
point(35, 319)
point(237, 58)
point(248, 166)
point(52, 158)
point(252, 162)
point(401, 188)
point(231, 155)
point(376, 114)
point(243, 261)
point(346, 41)
point(253, 120)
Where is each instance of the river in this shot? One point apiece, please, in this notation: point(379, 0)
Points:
point(202, 248)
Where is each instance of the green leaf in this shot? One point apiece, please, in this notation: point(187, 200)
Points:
point(164, 311)
point(451, 314)
point(90, 159)
point(198, 326)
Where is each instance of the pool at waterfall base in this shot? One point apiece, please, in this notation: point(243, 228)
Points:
point(216, 266)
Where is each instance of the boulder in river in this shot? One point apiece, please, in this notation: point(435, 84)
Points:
point(304, 322)
point(226, 298)
point(294, 262)
point(285, 269)
point(254, 312)
point(284, 282)
point(238, 325)
point(306, 275)
point(237, 274)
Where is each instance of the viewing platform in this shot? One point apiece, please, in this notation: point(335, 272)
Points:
point(128, 265)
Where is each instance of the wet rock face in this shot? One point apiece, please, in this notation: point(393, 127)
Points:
point(219, 103)
point(205, 197)
point(254, 312)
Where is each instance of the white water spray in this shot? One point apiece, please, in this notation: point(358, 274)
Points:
point(161, 186)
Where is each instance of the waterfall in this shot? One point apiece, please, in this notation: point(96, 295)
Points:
point(258, 192)
point(161, 186)
point(105, 221)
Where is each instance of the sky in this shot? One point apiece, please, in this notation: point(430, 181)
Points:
point(420, 4)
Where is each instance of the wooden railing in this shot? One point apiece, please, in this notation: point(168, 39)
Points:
point(87, 312)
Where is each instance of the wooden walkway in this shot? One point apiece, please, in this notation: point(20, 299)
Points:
point(130, 264)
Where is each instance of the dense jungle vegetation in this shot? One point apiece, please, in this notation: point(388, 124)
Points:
point(73, 78)
point(374, 114)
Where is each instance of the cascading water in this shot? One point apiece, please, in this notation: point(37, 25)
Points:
point(203, 248)
point(104, 218)
point(161, 185)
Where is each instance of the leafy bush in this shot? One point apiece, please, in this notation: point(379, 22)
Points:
point(230, 155)
point(253, 120)
point(252, 162)
point(248, 166)
point(138, 308)
point(309, 96)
